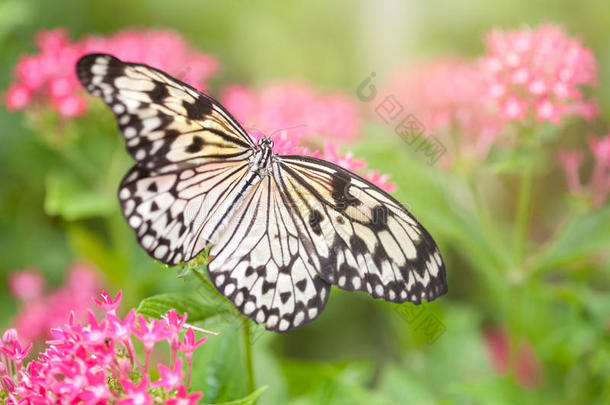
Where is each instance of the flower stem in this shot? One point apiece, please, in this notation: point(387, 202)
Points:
point(248, 352)
point(245, 332)
point(524, 212)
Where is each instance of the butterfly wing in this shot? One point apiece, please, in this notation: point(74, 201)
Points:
point(168, 125)
point(312, 224)
point(263, 265)
point(191, 155)
point(172, 213)
point(363, 239)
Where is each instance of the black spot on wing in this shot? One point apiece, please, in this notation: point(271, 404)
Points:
point(158, 93)
point(196, 145)
point(285, 296)
point(340, 191)
point(379, 220)
point(314, 221)
point(198, 110)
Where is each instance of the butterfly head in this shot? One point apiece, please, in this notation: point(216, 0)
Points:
point(265, 143)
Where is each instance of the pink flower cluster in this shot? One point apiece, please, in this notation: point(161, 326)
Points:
point(599, 183)
point(49, 76)
point(525, 363)
point(297, 118)
point(39, 312)
point(96, 363)
point(297, 108)
point(446, 95)
point(528, 75)
point(538, 74)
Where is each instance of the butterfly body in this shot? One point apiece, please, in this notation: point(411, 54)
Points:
point(262, 159)
point(281, 229)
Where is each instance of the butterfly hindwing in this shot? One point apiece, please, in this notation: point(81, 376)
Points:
point(170, 211)
point(261, 264)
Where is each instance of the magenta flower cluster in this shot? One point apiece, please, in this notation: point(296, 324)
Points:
point(97, 362)
point(49, 75)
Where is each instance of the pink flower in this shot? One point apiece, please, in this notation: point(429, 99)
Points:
point(449, 97)
point(17, 97)
point(107, 303)
point(381, 180)
point(135, 395)
point(121, 330)
point(70, 106)
point(175, 324)
point(26, 284)
point(600, 179)
point(39, 314)
point(182, 398)
point(571, 161)
point(49, 75)
point(15, 352)
point(95, 333)
point(150, 332)
point(189, 344)
point(538, 74)
point(170, 378)
point(297, 108)
point(528, 370)
point(85, 364)
point(598, 187)
point(188, 347)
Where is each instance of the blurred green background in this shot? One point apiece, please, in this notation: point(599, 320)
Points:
point(360, 350)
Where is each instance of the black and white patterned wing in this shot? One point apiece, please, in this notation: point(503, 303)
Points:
point(168, 125)
point(263, 266)
point(178, 214)
point(191, 155)
point(360, 238)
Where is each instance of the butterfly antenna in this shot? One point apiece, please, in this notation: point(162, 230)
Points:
point(250, 128)
point(284, 129)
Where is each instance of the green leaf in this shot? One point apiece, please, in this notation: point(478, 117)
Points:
point(249, 400)
point(200, 304)
point(581, 237)
point(69, 198)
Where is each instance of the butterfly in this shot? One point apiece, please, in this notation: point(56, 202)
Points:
point(281, 229)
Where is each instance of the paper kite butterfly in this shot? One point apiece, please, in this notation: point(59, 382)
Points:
point(282, 229)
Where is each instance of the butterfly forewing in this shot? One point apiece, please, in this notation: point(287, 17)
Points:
point(167, 125)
